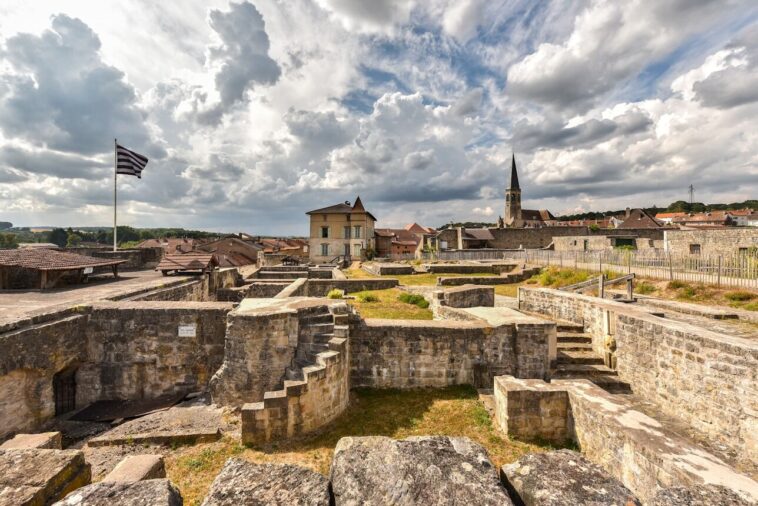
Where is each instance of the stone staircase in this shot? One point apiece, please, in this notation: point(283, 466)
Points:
point(577, 360)
point(315, 389)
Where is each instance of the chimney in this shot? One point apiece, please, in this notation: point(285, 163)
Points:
point(628, 212)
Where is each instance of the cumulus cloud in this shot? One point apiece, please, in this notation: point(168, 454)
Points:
point(241, 60)
point(611, 42)
point(462, 18)
point(59, 93)
point(369, 17)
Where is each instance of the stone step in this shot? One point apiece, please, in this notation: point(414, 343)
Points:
point(578, 357)
point(318, 318)
point(568, 327)
point(321, 328)
point(566, 371)
point(573, 338)
point(323, 338)
point(574, 346)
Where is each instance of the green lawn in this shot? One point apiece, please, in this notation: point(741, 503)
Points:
point(388, 306)
point(451, 411)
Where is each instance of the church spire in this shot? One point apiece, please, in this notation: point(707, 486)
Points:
point(514, 175)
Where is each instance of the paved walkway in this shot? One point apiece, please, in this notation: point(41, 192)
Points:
point(19, 304)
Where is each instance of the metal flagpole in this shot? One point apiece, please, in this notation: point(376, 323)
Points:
point(115, 174)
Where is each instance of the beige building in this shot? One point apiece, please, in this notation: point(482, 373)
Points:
point(340, 230)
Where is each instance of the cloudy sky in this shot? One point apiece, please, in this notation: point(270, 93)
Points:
point(253, 113)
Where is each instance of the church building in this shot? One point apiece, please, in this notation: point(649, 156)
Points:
point(515, 217)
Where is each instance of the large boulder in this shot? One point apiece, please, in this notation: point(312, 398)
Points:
point(417, 470)
point(138, 493)
point(241, 482)
point(699, 495)
point(563, 477)
point(40, 476)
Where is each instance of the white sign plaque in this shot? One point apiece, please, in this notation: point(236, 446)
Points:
point(88, 270)
point(188, 330)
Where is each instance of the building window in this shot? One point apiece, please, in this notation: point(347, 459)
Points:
point(324, 250)
point(347, 232)
point(694, 249)
point(357, 231)
point(586, 244)
point(325, 232)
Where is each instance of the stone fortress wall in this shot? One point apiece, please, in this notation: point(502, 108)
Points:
point(712, 242)
point(707, 379)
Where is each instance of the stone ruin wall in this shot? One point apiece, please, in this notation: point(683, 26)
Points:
point(417, 353)
point(120, 350)
point(30, 358)
point(135, 350)
point(629, 445)
point(704, 378)
point(712, 242)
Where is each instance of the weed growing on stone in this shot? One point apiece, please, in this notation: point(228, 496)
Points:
point(740, 296)
point(335, 293)
point(644, 288)
point(366, 297)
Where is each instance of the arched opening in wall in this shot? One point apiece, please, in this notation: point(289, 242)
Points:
point(64, 390)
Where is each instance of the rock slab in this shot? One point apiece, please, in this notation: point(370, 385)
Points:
point(42, 440)
point(563, 477)
point(242, 482)
point(418, 470)
point(35, 477)
point(138, 493)
point(138, 468)
point(701, 495)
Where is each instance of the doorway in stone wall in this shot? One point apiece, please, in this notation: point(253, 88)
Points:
point(64, 390)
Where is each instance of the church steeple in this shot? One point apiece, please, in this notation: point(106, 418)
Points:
point(514, 175)
point(513, 199)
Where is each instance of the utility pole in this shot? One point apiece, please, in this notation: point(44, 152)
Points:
point(692, 194)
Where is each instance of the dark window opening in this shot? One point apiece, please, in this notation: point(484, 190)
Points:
point(64, 391)
point(694, 249)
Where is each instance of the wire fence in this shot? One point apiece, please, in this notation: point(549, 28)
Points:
point(738, 270)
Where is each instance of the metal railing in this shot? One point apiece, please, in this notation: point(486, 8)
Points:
point(738, 270)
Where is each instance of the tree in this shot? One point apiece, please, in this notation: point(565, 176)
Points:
point(58, 236)
point(5, 225)
point(73, 240)
point(8, 241)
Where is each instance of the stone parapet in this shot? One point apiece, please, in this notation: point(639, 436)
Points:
point(531, 409)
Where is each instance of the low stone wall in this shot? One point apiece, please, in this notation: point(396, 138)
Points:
point(30, 358)
point(261, 290)
point(636, 449)
point(321, 287)
point(515, 277)
point(466, 296)
point(141, 350)
point(494, 268)
point(417, 353)
point(387, 269)
point(196, 289)
point(531, 410)
point(707, 379)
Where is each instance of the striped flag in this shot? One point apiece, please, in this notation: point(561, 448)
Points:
point(129, 162)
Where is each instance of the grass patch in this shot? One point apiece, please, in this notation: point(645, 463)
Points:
point(676, 285)
point(554, 277)
point(452, 411)
point(740, 296)
point(387, 304)
point(366, 297)
point(335, 293)
point(413, 298)
point(644, 288)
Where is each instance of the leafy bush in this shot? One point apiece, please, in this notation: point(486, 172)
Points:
point(645, 288)
point(740, 296)
point(414, 298)
point(335, 293)
point(687, 292)
point(752, 306)
point(366, 297)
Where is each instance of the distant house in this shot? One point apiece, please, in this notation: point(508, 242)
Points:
point(401, 241)
point(668, 217)
point(340, 230)
point(639, 218)
point(709, 220)
point(170, 245)
point(232, 252)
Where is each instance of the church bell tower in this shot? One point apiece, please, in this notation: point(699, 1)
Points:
point(513, 199)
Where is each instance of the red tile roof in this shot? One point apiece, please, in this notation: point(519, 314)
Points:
point(50, 260)
point(186, 262)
